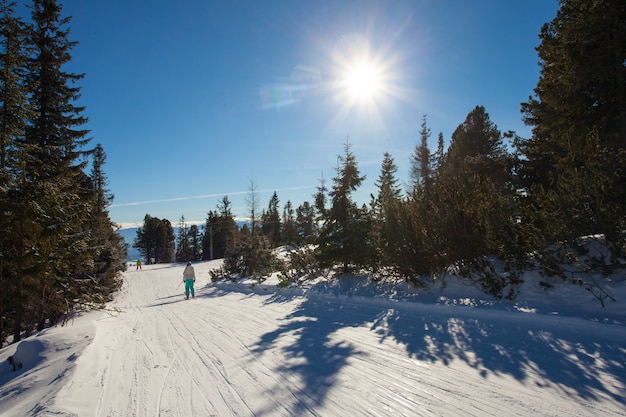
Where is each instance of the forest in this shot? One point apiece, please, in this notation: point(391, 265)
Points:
point(58, 247)
point(488, 195)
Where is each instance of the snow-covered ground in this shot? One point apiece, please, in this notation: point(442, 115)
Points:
point(330, 348)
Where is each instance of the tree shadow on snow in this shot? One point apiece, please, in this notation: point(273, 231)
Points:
point(551, 352)
point(546, 350)
point(313, 354)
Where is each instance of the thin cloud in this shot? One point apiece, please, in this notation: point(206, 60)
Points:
point(197, 197)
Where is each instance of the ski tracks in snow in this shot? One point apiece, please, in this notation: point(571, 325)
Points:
point(237, 351)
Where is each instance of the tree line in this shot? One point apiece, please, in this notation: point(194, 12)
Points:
point(490, 193)
point(58, 247)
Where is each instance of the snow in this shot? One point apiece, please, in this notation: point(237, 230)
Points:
point(349, 347)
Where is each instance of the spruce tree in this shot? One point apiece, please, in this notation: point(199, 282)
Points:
point(183, 247)
point(305, 223)
point(156, 241)
point(270, 221)
point(438, 160)
point(320, 199)
point(220, 236)
point(50, 206)
point(165, 242)
point(195, 242)
point(344, 237)
point(421, 160)
point(581, 88)
point(572, 167)
point(15, 110)
point(107, 248)
point(289, 234)
point(474, 202)
point(385, 226)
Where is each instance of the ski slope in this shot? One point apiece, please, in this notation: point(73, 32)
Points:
point(327, 349)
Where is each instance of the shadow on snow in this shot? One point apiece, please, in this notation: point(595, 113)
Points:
point(553, 351)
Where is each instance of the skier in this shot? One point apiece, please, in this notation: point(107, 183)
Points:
point(189, 277)
point(138, 265)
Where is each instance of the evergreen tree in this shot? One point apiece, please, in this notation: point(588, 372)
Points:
point(252, 257)
point(388, 185)
point(344, 237)
point(305, 223)
point(320, 198)
point(439, 155)
point(15, 110)
point(221, 234)
point(581, 89)
point(195, 242)
point(473, 201)
point(183, 242)
point(420, 160)
point(385, 227)
point(575, 160)
point(50, 207)
point(288, 230)
point(107, 248)
point(155, 240)
point(165, 242)
point(270, 222)
point(58, 245)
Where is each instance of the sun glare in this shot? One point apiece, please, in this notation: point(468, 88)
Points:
point(363, 81)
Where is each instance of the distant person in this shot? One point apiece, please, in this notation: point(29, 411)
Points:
point(138, 265)
point(189, 277)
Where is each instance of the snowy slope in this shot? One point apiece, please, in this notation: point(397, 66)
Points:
point(335, 348)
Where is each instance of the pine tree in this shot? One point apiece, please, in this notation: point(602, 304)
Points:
point(51, 208)
point(344, 237)
point(421, 160)
point(572, 167)
point(288, 230)
point(438, 158)
point(385, 231)
point(306, 226)
point(270, 221)
point(195, 243)
point(165, 242)
point(473, 202)
point(220, 237)
point(15, 110)
point(320, 198)
point(581, 89)
point(183, 246)
point(107, 248)
point(155, 240)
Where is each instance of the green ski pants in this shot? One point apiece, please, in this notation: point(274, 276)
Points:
point(189, 287)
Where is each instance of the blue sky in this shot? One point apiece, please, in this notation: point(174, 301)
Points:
point(193, 100)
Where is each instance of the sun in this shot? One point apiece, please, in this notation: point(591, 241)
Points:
point(361, 77)
point(362, 81)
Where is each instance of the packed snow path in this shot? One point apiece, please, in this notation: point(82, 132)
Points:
point(240, 349)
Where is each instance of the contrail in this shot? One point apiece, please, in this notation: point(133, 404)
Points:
point(196, 197)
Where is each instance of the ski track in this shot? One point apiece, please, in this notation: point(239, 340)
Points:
point(235, 350)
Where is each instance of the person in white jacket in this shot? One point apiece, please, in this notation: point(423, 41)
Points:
point(189, 277)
